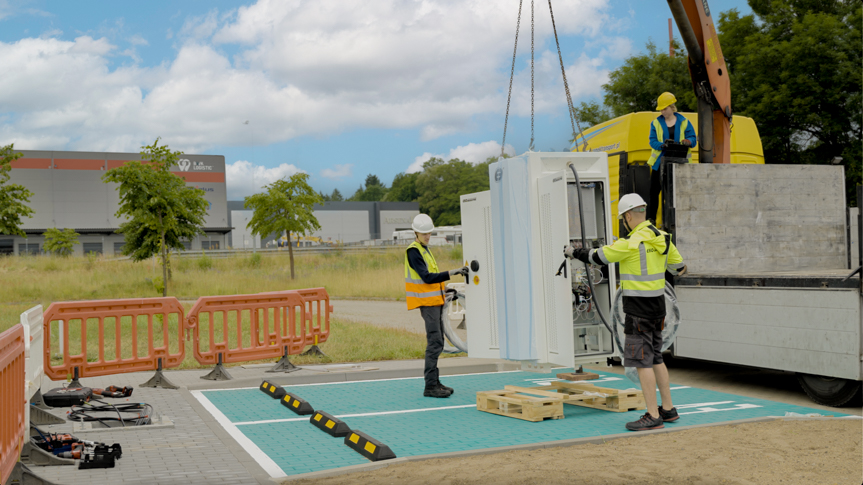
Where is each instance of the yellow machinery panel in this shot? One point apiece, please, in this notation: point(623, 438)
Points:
point(626, 140)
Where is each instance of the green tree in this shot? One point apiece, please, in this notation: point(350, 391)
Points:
point(286, 207)
point(324, 197)
point(161, 211)
point(591, 114)
point(795, 68)
point(403, 188)
point(374, 190)
point(60, 242)
point(372, 180)
point(13, 197)
point(336, 196)
point(636, 84)
point(441, 183)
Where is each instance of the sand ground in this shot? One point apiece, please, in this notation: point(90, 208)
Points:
point(777, 452)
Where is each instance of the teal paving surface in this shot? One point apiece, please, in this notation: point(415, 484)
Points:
point(447, 425)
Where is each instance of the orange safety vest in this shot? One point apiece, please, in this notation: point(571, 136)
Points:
point(420, 293)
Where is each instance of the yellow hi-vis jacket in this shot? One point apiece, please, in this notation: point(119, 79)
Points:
point(644, 256)
point(418, 292)
point(657, 133)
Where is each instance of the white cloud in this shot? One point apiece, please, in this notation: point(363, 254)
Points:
point(244, 178)
point(472, 152)
point(338, 171)
point(302, 67)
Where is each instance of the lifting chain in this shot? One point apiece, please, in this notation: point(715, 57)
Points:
point(572, 116)
point(511, 76)
point(531, 77)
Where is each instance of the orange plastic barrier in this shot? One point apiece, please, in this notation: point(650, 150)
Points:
point(318, 308)
point(101, 321)
point(274, 323)
point(13, 426)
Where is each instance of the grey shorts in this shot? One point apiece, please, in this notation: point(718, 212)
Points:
point(643, 347)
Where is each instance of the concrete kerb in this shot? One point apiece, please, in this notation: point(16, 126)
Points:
point(597, 440)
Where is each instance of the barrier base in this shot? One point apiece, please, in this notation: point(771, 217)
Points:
point(284, 365)
point(219, 373)
point(159, 380)
point(33, 455)
point(37, 401)
point(314, 350)
point(21, 475)
point(40, 417)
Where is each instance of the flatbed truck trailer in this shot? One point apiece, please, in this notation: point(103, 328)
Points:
point(768, 283)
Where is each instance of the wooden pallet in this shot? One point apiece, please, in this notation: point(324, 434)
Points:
point(578, 376)
point(615, 399)
point(529, 404)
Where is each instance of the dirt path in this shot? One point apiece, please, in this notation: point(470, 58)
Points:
point(778, 452)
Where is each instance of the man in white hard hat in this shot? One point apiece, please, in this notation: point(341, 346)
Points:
point(424, 287)
point(644, 255)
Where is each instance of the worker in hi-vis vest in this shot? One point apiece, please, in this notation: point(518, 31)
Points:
point(424, 287)
point(644, 255)
point(668, 126)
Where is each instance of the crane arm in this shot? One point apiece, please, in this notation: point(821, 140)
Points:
point(709, 78)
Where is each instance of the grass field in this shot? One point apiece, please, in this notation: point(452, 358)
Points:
point(44, 279)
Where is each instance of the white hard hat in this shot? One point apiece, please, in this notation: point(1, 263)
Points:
point(629, 202)
point(422, 224)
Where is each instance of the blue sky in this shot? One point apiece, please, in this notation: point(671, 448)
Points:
point(337, 89)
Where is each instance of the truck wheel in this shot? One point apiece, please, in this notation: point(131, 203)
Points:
point(829, 391)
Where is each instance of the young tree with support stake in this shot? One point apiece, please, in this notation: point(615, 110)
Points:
point(13, 197)
point(161, 210)
point(286, 206)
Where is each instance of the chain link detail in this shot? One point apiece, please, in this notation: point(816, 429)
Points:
point(572, 118)
point(511, 76)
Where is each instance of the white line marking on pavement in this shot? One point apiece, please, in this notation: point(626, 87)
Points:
point(251, 448)
point(679, 387)
point(382, 413)
point(369, 380)
point(714, 410)
point(702, 404)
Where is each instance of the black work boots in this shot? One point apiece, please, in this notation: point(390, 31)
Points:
point(438, 391)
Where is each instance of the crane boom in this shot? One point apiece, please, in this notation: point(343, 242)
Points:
point(709, 78)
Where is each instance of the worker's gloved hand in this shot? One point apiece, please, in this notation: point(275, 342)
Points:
point(461, 271)
point(569, 252)
point(682, 271)
point(582, 254)
point(687, 143)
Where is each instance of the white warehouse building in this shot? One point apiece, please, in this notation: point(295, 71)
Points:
point(341, 222)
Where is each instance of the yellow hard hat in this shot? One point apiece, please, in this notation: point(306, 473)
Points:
point(665, 100)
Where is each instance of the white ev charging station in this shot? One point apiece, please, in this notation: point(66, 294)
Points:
point(524, 300)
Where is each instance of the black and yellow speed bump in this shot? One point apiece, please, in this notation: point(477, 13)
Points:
point(369, 447)
point(328, 424)
point(296, 404)
point(273, 390)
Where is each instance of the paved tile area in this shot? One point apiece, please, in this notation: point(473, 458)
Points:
point(395, 412)
point(198, 450)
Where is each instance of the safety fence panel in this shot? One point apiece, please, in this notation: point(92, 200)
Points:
point(13, 426)
point(241, 328)
point(318, 308)
point(113, 336)
point(34, 365)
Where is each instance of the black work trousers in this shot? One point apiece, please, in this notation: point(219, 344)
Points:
point(432, 315)
point(653, 198)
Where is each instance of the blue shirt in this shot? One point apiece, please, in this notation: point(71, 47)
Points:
point(656, 144)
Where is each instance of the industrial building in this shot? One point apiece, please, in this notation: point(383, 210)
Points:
point(341, 223)
point(68, 192)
